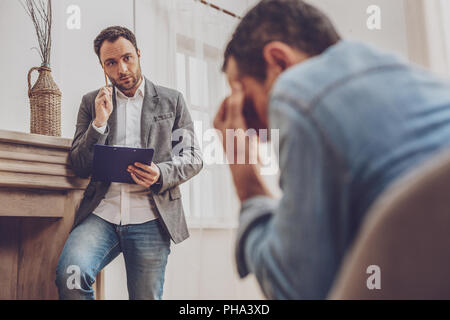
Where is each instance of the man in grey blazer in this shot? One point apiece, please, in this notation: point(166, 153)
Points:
point(138, 220)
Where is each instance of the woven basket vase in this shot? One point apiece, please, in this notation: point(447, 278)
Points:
point(45, 103)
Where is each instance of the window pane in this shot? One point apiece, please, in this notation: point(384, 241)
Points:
point(198, 82)
point(181, 73)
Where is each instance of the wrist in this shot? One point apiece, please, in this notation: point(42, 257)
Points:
point(248, 181)
point(159, 180)
point(99, 123)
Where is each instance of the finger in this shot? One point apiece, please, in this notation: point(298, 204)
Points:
point(101, 94)
point(141, 173)
point(145, 180)
point(108, 91)
point(220, 115)
point(107, 98)
point(236, 103)
point(104, 101)
point(138, 180)
point(149, 169)
point(236, 86)
point(223, 109)
point(143, 166)
point(233, 105)
point(228, 108)
point(135, 179)
point(105, 91)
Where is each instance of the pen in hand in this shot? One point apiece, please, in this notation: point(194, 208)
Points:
point(103, 104)
point(104, 71)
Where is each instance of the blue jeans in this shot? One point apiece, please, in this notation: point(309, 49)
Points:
point(95, 243)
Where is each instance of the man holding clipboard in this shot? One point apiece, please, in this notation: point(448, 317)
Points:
point(137, 218)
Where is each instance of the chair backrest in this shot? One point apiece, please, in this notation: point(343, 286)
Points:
point(407, 236)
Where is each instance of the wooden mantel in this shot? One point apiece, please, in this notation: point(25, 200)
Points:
point(39, 194)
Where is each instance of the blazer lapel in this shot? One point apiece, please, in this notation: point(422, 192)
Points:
point(149, 105)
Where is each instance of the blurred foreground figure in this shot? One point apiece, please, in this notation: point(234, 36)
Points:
point(351, 120)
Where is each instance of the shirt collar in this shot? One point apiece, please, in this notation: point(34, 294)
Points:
point(140, 91)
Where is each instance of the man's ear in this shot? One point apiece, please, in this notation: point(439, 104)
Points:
point(275, 54)
point(138, 51)
point(282, 56)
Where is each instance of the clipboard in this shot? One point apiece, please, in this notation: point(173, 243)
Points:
point(111, 162)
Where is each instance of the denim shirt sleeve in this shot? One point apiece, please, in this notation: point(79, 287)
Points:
point(287, 244)
point(254, 212)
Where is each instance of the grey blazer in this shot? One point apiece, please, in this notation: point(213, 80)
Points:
point(167, 127)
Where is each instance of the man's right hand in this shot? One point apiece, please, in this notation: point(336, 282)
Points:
point(103, 106)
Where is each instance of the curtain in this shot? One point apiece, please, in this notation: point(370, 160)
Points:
point(437, 30)
point(445, 11)
point(201, 34)
point(183, 43)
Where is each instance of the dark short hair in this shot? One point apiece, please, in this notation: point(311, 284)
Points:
point(111, 34)
point(293, 22)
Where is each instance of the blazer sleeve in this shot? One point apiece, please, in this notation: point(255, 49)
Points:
point(186, 159)
point(82, 151)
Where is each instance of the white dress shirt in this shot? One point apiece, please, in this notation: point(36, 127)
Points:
point(127, 203)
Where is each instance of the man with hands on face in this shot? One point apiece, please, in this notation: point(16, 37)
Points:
point(139, 219)
point(351, 119)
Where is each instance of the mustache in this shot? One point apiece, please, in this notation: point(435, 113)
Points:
point(126, 76)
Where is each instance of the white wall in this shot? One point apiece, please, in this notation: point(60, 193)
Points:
point(350, 18)
point(437, 15)
point(203, 266)
point(75, 67)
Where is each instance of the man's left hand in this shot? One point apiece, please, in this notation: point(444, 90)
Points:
point(144, 175)
point(230, 113)
point(247, 178)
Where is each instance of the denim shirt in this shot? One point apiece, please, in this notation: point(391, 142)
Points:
point(351, 121)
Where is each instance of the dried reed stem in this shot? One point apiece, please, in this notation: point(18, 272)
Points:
point(40, 12)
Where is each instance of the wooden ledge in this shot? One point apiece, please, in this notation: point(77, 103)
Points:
point(35, 140)
point(35, 161)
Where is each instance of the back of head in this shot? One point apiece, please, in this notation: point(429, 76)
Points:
point(293, 22)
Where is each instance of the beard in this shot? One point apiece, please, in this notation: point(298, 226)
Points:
point(132, 82)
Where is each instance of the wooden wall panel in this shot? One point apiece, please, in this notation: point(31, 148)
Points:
point(23, 203)
point(9, 248)
point(38, 196)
